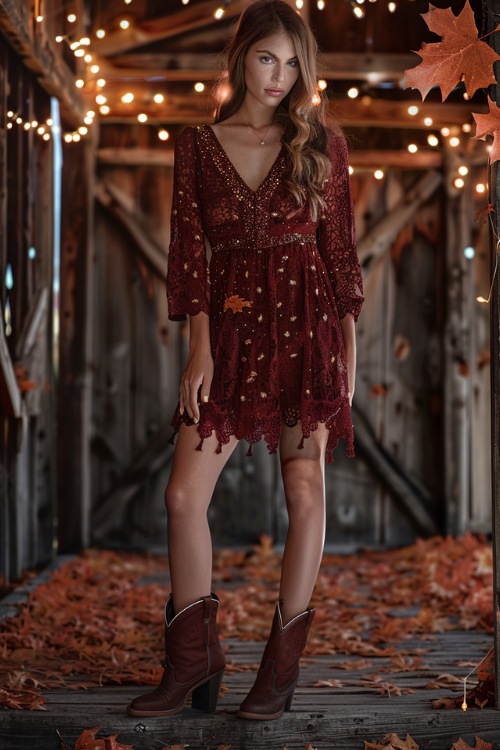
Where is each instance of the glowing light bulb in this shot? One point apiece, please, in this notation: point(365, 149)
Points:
point(463, 170)
point(351, 170)
point(412, 148)
point(68, 138)
point(480, 187)
point(83, 130)
point(466, 127)
point(163, 135)
point(353, 92)
point(358, 12)
point(79, 83)
point(391, 7)
point(320, 4)
point(124, 24)
point(469, 252)
point(219, 13)
point(100, 33)
point(85, 41)
point(91, 114)
point(74, 45)
point(94, 69)
point(41, 130)
point(88, 58)
point(39, 19)
point(9, 126)
point(101, 82)
point(322, 84)
point(19, 120)
point(46, 137)
point(299, 4)
point(413, 110)
point(158, 98)
point(34, 123)
point(428, 121)
point(454, 141)
point(79, 52)
point(59, 38)
point(50, 122)
point(379, 174)
point(76, 137)
point(128, 98)
point(27, 125)
point(316, 99)
point(432, 140)
point(445, 132)
point(71, 18)
point(199, 87)
point(142, 117)
point(88, 120)
point(104, 110)
point(100, 99)
point(458, 182)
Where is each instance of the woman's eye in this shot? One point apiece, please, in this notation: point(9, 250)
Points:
point(294, 63)
point(265, 58)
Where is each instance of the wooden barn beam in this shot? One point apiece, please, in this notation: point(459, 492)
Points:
point(144, 466)
point(411, 496)
point(43, 60)
point(195, 109)
point(10, 395)
point(379, 239)
point(194, 66)
point(359, 158)
point(114, 201)
point(493, 7)
point(166, 27)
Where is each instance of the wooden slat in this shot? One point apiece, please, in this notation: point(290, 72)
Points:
point(189, 18)
point(494, 199)
point(43, 59)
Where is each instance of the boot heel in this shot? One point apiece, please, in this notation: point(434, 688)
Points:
point(289, 701)
point(205, 696)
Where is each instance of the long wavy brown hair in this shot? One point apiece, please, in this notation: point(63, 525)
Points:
point(302, 113)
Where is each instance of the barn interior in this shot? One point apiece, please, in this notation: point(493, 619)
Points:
point(94, 95)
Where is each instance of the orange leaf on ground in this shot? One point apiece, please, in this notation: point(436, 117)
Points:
point(461, 55)
point(489, 125)
point(87, 740)
point(392, 742)
point(480, 745)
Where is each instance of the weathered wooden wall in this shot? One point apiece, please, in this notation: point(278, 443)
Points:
point(27, 461)
point(409, 353)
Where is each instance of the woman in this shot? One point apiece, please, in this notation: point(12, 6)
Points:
point(272, 343)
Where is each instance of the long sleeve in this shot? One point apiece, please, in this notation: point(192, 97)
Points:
point(336, 234)
point(187, 274)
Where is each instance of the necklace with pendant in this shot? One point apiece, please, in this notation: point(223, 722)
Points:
point(261, 139)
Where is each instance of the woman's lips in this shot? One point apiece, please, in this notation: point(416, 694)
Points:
point(274, 92)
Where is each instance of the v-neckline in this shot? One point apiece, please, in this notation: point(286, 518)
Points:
point(235, 171)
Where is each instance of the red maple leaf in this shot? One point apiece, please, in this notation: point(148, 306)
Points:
point(480, 745)
point(460, 56)
point(489, 125)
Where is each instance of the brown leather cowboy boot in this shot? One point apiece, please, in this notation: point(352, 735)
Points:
point(194, 661)
point(278, 673)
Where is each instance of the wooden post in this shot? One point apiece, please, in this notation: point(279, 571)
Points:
point(492, 11)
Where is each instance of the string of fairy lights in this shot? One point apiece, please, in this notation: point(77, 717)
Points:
point(92, 83)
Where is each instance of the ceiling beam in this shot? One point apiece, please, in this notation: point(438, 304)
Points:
point(44, 60)
point(333, 66)
point(195, 109)
point(158, 29)
point(358, 158)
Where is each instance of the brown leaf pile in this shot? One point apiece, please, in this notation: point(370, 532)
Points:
point(98, 620)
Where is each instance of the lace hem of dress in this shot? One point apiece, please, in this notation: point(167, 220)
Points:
point(336, 416)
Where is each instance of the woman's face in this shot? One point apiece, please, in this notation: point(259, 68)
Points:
point(271, 69)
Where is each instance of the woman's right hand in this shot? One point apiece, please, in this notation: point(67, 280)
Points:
point(198, 372)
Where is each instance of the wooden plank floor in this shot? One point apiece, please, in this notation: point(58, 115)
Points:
point(327, 717)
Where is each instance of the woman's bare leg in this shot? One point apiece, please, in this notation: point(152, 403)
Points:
point(303, 473)
point(187, 497)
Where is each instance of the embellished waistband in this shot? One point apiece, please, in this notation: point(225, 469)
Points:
point(272, 241)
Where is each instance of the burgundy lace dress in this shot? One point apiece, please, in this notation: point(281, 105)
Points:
point(275, 290)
